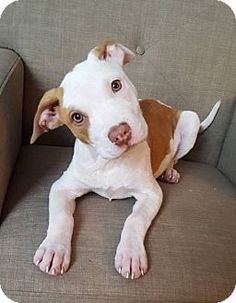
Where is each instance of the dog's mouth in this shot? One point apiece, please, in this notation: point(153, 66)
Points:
point(126, 147)
point(127, 141)
point(121, 149)
point(119, 138)
point(120, 134)
point(114, 151)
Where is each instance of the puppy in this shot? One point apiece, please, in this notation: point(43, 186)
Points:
point(122, 145)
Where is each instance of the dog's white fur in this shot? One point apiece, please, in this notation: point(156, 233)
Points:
point(104, 108)
point(112, 171)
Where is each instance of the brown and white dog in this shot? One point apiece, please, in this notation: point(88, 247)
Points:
point(122, 145)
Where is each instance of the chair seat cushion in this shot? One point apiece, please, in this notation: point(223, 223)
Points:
point(191, 244)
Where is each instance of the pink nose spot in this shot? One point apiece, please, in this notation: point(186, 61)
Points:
point(120, 134)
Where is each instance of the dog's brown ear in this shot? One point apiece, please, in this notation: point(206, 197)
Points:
point(109, 51)
point(47, 114)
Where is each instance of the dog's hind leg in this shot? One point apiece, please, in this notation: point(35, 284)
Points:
point(185, 136)
point(170, 175)
point(186, 133)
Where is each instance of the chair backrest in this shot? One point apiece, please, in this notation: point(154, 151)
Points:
point(186, 53)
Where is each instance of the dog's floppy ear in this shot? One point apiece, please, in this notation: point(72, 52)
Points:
point(109, 51)
point(47, 114)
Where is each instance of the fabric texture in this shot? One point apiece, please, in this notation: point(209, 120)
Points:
point(8, 59)
point(191, 244)
point(186, 57)
point(227, 163)
point(189, 58)
point(11, 93)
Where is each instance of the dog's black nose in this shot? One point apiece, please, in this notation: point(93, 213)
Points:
point(120, 134)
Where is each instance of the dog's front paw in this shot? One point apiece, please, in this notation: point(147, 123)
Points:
point(53, 257)
point(131, 259)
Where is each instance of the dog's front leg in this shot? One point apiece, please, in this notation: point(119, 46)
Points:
point(53, 255)
point(131, 259)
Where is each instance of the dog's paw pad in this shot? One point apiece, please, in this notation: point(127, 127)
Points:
point(52, 258)
point(131, 261)
point(171, 175)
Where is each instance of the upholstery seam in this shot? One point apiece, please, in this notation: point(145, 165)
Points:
point(230, 118)
point(225, 135)
point(10, 49)
point(8, 74)
point(226, 177)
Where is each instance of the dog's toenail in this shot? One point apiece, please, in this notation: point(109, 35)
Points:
point(119, 270)
point(53, 271)
point(142, 272)
point(62, 271)
point(37, 262)
point(132, 276)
point(47, 269)
point(127, 275)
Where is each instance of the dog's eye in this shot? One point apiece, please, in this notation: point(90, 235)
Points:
point(116, 85)
point(77, 117)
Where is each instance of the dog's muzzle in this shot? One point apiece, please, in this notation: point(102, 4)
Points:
point(120, 134)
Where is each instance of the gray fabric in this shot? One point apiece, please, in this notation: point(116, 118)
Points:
point(227, 163)
point(11, 93)
point(7, 61)
point(189, 59)
point(191, 245)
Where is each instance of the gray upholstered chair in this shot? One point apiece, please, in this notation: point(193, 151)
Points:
point(186, 56)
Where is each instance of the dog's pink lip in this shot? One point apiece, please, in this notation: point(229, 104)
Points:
point(127, 145)
point(130, 144)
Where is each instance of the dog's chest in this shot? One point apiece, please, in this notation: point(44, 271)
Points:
point(109, 181)
point(115, 179)
point(113, 193)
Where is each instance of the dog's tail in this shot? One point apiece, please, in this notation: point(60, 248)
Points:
point(210, 118)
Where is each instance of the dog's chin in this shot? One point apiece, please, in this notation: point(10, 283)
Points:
point(114, 152)
point(117, 151)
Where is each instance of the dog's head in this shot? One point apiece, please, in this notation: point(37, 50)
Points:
point(98, 103)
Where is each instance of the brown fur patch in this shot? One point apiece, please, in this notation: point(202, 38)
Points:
point(53, 98)
point(162, 121)
point(101, 49)
point(80, 131)
point(126, 59)
point(50, 99)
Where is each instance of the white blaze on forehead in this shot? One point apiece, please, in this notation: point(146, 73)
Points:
point(90, 82)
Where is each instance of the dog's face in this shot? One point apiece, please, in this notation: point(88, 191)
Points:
point(98, 102)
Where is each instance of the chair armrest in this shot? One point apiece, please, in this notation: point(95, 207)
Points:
point(227, 161)
point(11, 93)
